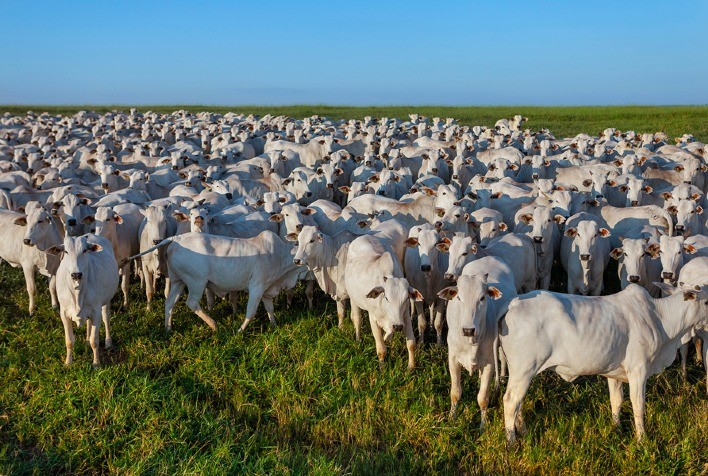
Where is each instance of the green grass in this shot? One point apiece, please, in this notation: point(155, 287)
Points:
point(304, 397)
point(562, 121)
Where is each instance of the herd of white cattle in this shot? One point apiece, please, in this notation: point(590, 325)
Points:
point(425, 217)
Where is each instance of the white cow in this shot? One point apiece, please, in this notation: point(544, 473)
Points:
point(87, 279)
point(584, 254)
point(626, 337)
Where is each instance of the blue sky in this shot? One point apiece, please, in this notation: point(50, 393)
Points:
point(359, 53)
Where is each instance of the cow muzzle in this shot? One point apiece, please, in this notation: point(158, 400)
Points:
point(156, 242)
point(534, 176)
point(634, 279)
point(425, 268)
point(634, 203)
point(538, 239)
point(584, 257)
point(27, 242)
point(330, 186)
point(71, 222)
point(77, 276)
point(398, 327)
point(449, 276)
point(297, 261)
point(229, 196)
point(667, 275)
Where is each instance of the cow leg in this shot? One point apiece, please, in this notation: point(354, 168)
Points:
point(175, 292)
point(483, 394)
point(683, 350)
point(422, 323)
point(378, 338)
point(697, 343)
point(637, 394)
point(503, 361)
point(68, 338)
point(168, 286)
point(125, 283)
point(193, 299)
point(513, 398)
point(410, 342)
point(455, 384)
point(356, 320)
point(616, 397)
point(268, 305)
point(149, 285)
point(53, 291)
point(233, 299)
point(31, 287)
point(438, 323)
point(254, 299)
point(210, 299)
point(705, 360)
point(289, 297)
point(106, 316)
point(310, 292)
point(341, 311)
point(95, 325)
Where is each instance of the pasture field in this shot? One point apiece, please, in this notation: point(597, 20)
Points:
point(304, 397)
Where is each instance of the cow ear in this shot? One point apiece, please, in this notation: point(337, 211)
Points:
point(94, 247)
point(443, 246)
point(690, 249)
point(374, 178)
point(612, 183)
point(648, 189)
point(180, 216)
point(308, 211)
point(21, 221)
point(678, 168)
point(699, 209)
point(260, 202)
point(414, 294)
point(672, 209)
point(283, 199)
point(320, 237)
point(376, 292)
point(494, 293)
point(428, 191)
point(319, 171)
point(440, 211)
point(291, 237)
point(665, 195)
point(617, 163)
point(689, 295)
point(604, 232)
point(653, 250)
point(287, 181)
point(345, 189)
point(623, 188)
point(182, 175)
point(448, 293)
point(514, 167)
point(118, 219)
point(338, 171)
point(559, 219)
point(616, 253)
point(55, 250)
point(88, 219)
point(526, 218)
point(125, 176)
point(587, 182)
point(473, 249)
point(503, 227)
point(411, 242)
point(277, 217)
point(571, 232)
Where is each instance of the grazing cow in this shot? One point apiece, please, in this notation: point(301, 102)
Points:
point(384, 294)
point(87, 279)
point(626, 337)
point(475, 304)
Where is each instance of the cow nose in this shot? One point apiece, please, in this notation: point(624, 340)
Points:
point(308, 194)
point(687, 181)
point(449, 276)
point(71, 222)
point(455, 176)
point(538, 239)
point(634, 279)
point(435, 170)
point(634, 203)
point(438, 224)
point(76, 276)
point(27, 241)
point(299, 227)
point(598, 196)
point(229, 196)
point(534, 176)
point(584, 257)
point(425, 267)
point(156, 242)
point(468, 331)
point(174, 167)
point(667, 275)
point(188, 184)
point(330, 185)
point(30, 171)
point(679, 227)
point(272, 170)
point(297, 261)
point(104, 185)
point(398, 327)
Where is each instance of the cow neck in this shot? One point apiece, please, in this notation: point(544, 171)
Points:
point(676, 314)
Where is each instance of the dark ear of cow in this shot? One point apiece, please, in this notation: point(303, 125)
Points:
point(616, 253)
point(448, 293)
point(94, 247)
point(308, 211)
point(653, 250)
point(414, 294)
point(494, 293)
point(55, 250)
point(88, 219)
point(587, 182)
point(277, 217)
point(291, 237)
point(571, 232)
point(376, 292)
point(21, 221)
point(411, 242)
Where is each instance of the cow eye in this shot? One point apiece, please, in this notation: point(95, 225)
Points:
point(464, 254)
point(312, 241)
point(482, 298)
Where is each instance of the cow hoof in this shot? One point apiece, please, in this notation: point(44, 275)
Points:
point(109, 344)
point(95, 366)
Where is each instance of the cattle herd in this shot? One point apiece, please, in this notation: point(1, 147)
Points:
point(456, 225)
